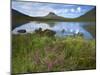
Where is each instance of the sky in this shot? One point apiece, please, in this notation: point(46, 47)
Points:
point(36, 9)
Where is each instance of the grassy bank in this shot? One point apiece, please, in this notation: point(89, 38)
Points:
point(32, 53)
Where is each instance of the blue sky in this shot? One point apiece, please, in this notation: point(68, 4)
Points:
point(35, 9)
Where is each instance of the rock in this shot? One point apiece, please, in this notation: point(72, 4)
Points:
point(79, 34)
point(49, 32)
point(38, 31)
point(21, 31)
point(46, 32)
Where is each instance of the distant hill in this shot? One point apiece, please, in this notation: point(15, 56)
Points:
point(50, 15)
point(89, 16)
point(19, 18)
point(54, 16)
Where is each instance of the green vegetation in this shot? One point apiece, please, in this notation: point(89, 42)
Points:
point(34, 53)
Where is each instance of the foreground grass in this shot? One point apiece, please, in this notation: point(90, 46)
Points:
point(32, 53)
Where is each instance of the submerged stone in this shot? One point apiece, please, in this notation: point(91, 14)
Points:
point(21, 31)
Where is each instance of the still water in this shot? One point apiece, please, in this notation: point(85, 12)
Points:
point(62, 29)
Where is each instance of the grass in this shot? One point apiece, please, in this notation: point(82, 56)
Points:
point(34, 53)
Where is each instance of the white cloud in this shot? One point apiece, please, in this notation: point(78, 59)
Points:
point(31, 9)
point(79, 9)
point(72, 10)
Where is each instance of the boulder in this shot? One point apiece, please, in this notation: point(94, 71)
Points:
point(46, 32)
point(49, 32)
point(21, 31)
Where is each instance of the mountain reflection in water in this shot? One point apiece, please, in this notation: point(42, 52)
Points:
point(62, 29)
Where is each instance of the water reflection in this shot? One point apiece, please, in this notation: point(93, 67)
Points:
point(61, 28)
